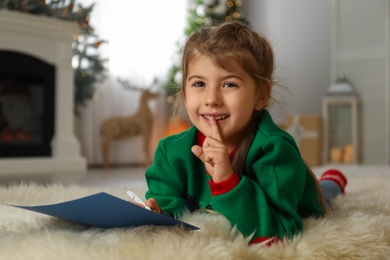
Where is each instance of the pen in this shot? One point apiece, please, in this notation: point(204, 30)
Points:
point(137, 199)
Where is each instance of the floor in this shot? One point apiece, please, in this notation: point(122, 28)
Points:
point(114, 177)
point(134, 176)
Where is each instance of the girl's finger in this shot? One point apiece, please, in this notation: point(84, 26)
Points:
point(135, 203)
point(197, 151)
point(215, 129)
point(152, 204)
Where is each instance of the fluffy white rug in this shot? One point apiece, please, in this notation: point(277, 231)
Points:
point(357, 228)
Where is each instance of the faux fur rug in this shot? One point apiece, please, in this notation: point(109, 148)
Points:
point(357, 228)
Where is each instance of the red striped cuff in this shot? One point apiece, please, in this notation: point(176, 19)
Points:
point(336, 176)
point(224, 186)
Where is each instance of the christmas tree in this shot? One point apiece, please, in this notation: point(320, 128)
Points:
point(87, 63)
point(202, 13)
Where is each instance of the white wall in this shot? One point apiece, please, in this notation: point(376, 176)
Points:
point(300, 31)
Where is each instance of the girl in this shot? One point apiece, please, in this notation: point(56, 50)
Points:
point(234, 160)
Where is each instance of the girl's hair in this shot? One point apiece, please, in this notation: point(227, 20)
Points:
point(250, 50)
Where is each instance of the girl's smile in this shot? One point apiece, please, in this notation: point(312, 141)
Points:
point(218, 118)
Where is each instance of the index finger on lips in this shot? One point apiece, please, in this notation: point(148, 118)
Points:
point(215, 129)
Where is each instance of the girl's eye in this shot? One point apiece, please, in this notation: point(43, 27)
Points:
point(198, 84)
point(229, 85)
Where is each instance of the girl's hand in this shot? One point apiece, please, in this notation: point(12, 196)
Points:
point(214, 155)
point(152, 204)
point(135, 203)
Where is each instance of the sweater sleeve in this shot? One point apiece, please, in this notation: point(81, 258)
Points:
point(267, 204)
point(164, 184)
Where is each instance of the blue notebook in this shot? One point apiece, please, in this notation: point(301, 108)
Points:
point(106, 211)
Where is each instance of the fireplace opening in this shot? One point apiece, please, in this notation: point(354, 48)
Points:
point(26, 105)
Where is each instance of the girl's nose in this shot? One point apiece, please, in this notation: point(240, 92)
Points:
point(213, 98)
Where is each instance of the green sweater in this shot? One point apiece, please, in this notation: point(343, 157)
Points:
point(273, 194)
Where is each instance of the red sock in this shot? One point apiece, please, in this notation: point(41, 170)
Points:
point(336, 176)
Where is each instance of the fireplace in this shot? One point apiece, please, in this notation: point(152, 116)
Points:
point(36, 96)
point(26, 105)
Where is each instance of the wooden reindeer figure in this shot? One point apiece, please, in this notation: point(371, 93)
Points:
point(139, 123)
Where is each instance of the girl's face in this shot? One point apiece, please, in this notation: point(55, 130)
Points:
point(230, 97)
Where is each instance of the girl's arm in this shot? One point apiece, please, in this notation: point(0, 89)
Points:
point(165, 186)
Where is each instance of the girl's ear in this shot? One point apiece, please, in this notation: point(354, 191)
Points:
point(264, 96)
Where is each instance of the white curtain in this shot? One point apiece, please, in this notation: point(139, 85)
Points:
point(142, 44)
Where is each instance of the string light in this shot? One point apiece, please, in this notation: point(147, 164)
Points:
point(236, 15)
point(170, 99)
point(199, 21)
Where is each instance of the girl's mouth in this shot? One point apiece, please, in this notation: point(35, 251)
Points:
point(217, 118)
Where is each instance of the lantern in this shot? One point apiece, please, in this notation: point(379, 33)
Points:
point(341, 116)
